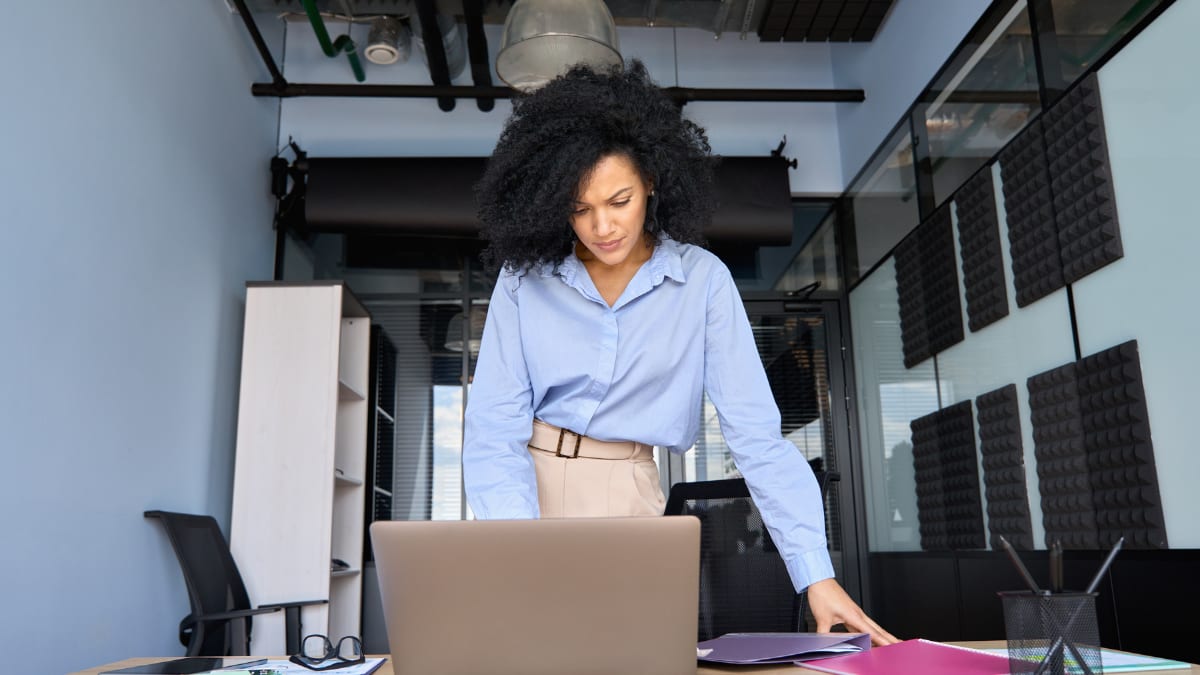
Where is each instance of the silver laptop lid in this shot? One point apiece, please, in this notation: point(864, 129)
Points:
point(540, 597)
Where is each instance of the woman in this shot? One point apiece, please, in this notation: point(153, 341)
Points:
point(608, 323)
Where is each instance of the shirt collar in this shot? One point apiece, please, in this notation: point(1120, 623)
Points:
point(665, 261)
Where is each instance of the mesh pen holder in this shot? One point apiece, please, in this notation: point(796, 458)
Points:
point(1052, 633)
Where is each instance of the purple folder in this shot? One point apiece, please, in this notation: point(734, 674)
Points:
point(756, 648)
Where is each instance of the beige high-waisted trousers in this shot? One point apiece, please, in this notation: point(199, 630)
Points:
point(593, 478)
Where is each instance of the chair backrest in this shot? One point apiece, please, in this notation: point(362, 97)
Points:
point(744, 583)
point(213, 582)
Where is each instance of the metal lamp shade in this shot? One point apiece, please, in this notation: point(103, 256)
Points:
point(544, 38)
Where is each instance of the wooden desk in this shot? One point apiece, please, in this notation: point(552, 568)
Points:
point(386, 668)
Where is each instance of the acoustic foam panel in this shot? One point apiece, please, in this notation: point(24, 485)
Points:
point(927, 470)
point(1029, 209)
point(1004, 468)
point(1067, 510)
point(1096, 470)
point(927, 289)
point(910, 292)
point(982, 259)
point(1081, 182)
point(1116, 438)
point(946, 470)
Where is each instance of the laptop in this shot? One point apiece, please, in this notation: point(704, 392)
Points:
point(564, 596)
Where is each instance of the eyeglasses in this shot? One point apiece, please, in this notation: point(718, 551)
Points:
point(317, 649)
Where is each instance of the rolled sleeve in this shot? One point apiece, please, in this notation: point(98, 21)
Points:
point(498, 473)
point(780, 480)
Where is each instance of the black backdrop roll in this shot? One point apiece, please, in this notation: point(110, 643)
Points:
point(432, 196)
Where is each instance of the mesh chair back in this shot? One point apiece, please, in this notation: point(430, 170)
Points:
point(213, 582)
point(744, 583)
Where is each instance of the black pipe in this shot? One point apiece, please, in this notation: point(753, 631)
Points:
point(686, 94)
point(481, 69)
point(263, 51)
point(435, 51)
point(679, 94)
point(378, 90)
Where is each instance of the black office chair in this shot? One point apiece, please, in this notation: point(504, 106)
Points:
point(744, 583)
point(221, 617)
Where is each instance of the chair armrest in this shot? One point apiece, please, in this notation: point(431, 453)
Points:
point(292, 626)
point(300, 603)
point(234, 614)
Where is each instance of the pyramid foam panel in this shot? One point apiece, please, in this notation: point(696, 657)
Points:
point(982, 260)
point(1096, 469)
point(946, 468)
point(1029, 211)
point(1081, 182)
point(1116, 438)
point(927, 289)
point(1004, 468)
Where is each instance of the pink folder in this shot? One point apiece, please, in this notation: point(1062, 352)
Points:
point(914, 656)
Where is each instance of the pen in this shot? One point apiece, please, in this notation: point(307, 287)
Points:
point(1104, 567)
point(1056, 567)
point(1012, 554)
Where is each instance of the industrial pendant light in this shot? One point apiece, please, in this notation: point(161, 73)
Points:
point(543, 38)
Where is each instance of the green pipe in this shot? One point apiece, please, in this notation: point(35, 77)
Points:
point(345, 44)
point(331, 49)
point(318, 24)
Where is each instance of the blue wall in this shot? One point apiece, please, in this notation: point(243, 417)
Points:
point(135, 206)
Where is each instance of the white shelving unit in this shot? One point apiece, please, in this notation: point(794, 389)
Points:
point(299, 490)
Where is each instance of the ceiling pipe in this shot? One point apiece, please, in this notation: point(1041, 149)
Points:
point(260, 44)
point(678, 94)
point(435, 50)
point(688, 94)
point(481, 68)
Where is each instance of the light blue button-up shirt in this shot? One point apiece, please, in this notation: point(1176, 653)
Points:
point(636, 371)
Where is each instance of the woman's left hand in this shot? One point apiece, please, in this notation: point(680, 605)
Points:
point(831, 605)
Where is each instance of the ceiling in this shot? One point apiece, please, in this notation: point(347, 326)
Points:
point(770, 20)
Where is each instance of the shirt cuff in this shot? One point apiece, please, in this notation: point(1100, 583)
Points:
point(809, 568)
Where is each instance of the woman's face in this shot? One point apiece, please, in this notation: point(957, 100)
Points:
point(610, 212)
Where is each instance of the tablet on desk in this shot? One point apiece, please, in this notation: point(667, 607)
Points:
point(187, 665)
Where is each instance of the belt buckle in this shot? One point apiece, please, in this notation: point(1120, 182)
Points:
point(558, 450)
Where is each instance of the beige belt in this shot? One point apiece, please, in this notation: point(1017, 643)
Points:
point(569, 445)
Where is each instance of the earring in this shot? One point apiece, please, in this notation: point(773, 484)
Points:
point(651, 211)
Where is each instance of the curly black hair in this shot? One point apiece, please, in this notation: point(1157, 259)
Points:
point(554, 138)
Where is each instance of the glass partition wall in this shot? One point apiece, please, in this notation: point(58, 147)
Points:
point(1017, 62)
point(1020, 345)
point(985, 95)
